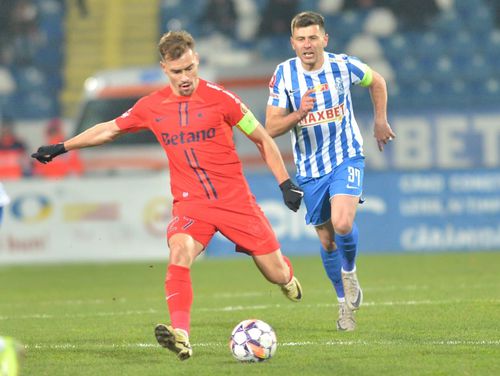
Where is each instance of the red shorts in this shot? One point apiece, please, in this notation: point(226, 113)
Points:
point(243, 223)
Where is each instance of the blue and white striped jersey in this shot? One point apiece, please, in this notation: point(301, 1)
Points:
point(329, 133)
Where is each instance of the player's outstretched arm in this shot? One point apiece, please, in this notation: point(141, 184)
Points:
point(381, 130)
point(292, 195)
point(97, 135)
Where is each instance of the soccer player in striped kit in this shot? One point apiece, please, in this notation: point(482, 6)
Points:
point(310, 97)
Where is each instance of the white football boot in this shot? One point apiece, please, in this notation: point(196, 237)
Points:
point(346, 322)
point(353, 292)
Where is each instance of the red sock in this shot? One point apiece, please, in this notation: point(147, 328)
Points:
point(179, 295)
point(287, 261)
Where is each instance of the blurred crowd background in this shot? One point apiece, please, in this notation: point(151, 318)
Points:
point(433, 53)
point(436, 187)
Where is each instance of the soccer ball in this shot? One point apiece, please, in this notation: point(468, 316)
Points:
point(252, 341)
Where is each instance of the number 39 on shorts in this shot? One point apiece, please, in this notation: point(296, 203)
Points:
point(354, 176)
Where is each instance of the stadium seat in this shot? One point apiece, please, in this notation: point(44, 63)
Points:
point(409, 71)
point(424, 88)
point(275, 47)
point(330, 7)
point(396, 47)
point(176, 15)
point(351, 22)
point(307, 5)
point(488, 91)
point(475, 69)
point(51, 21)
point(49, 57)
point(442, 70)
point(51, 7)
point(480, 21)
point(462, 45)
point(492, 47)
point(361, 98)
point(28, 77)
point(411, 97)
point(465, 8)
point(455, 93)
point(382, 66)
point(365, 46)
point(429, 47)
point(395, 95)
point(261, 4)
point(338, 36)
point(35, 104)
point(448, 24)
point(380, 22)
point(52, 28)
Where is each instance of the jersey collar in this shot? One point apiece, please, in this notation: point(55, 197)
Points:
point(314, 72)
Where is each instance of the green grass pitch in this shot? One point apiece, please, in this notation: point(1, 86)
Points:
point(423, 314)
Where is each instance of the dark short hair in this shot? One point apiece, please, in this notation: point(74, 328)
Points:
point(309, 18)
point(174, 44)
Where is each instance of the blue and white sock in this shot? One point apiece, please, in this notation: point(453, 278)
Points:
point(332, 262)
point(348, 245)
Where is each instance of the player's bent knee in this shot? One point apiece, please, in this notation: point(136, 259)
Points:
point(179, 255)
point(180, 259)
point(342, 227)
point(183, 249)
point(329, 246)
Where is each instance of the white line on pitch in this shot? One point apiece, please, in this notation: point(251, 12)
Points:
point(247, 294)
point(64, 346)
point(244, 308)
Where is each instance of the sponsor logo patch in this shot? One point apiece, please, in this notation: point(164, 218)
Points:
point(321, 87)
point(78, 212)
point(329, 115)
point(187, 137)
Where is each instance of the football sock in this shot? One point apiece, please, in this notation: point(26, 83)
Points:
point(348, 244)
point(179, 295)
point(287, 261)
point(332, 262)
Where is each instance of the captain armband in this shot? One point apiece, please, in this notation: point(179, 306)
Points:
point(248, 123)
point(367, 78)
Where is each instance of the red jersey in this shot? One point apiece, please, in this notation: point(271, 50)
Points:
point(196, 132)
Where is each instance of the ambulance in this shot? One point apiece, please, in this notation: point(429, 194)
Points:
point(106, 95)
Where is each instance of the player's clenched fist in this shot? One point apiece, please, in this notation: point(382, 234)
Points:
point(292, 195)
point(306, 104)
point(45, 154)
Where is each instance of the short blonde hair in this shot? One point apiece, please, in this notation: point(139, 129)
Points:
point(174, 44)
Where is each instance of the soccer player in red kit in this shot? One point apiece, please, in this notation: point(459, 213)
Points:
point(193, 120)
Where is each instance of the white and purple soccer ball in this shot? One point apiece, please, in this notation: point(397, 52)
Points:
point(253, 341)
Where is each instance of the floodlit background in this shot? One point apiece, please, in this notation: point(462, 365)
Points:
point(65, 65)
point(431, 296)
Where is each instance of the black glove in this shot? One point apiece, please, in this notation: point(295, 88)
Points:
point(292, 195)
point(45, 154)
